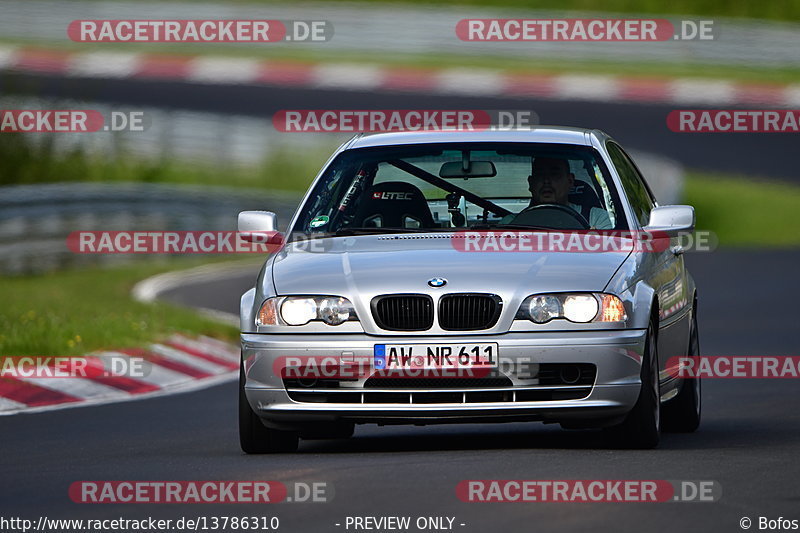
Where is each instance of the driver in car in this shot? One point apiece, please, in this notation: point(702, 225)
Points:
point(550, 182)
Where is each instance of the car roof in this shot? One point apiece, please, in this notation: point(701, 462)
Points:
point(538, 134)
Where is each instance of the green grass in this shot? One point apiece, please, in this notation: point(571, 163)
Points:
point(745, 211)
point(774, 9)
point(78, 311)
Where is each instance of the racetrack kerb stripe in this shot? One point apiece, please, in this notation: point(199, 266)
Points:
point(196, 69)
point(18, 394)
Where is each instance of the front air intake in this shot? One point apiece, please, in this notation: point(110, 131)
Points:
point(468, 311)
point(403, 312)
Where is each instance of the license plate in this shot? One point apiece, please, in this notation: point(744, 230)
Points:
point(435, 356)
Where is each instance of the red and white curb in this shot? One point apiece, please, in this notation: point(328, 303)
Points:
point(461, 81)
point(178, 364)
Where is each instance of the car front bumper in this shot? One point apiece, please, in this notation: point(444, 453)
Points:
point(616, 354)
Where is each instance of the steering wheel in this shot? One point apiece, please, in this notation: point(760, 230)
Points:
point(532, 212)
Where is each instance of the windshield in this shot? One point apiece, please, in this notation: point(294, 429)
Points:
point(444, 187)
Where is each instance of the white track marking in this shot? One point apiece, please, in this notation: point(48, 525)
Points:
point(712, 92)
point(10, 405)
point(792, 96)
point(222, 350)
point(346, 76)
point(83, 388)
point(103, 65)
point(7, 56)
point(574, 87)
point(469, 81)
point(188, 359)
point(223, 70)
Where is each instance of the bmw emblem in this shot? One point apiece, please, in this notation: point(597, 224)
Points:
point(437, 282)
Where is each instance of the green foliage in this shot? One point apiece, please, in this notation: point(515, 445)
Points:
point(745, 211)
point(77, 311)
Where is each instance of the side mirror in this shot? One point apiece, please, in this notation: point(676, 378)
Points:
point(259, 226)
point(257, 221)
point(671, 220)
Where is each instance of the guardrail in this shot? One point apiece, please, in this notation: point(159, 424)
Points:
point(35, 220)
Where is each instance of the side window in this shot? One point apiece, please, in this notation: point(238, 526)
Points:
point(632, 182)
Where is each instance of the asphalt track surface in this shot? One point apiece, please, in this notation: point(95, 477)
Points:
point(748, 441)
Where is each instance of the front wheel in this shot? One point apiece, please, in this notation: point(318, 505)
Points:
point(641, 429)
point(254, 437)
point(682, 413)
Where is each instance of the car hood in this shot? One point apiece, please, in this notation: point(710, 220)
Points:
point(362, 267)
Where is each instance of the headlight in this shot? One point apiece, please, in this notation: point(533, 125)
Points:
point(300, 310)
point(580, 307)
point(544, 308)
point(575, 307)
point(334, 311)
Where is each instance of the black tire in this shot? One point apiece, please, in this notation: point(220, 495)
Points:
point(254, 437)
point(682, 413)
point(641, 428)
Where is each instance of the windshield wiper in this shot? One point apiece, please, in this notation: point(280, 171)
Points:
point(345, 232)
point(377, 231)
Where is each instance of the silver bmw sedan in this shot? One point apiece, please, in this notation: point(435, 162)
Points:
point(496, 276)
